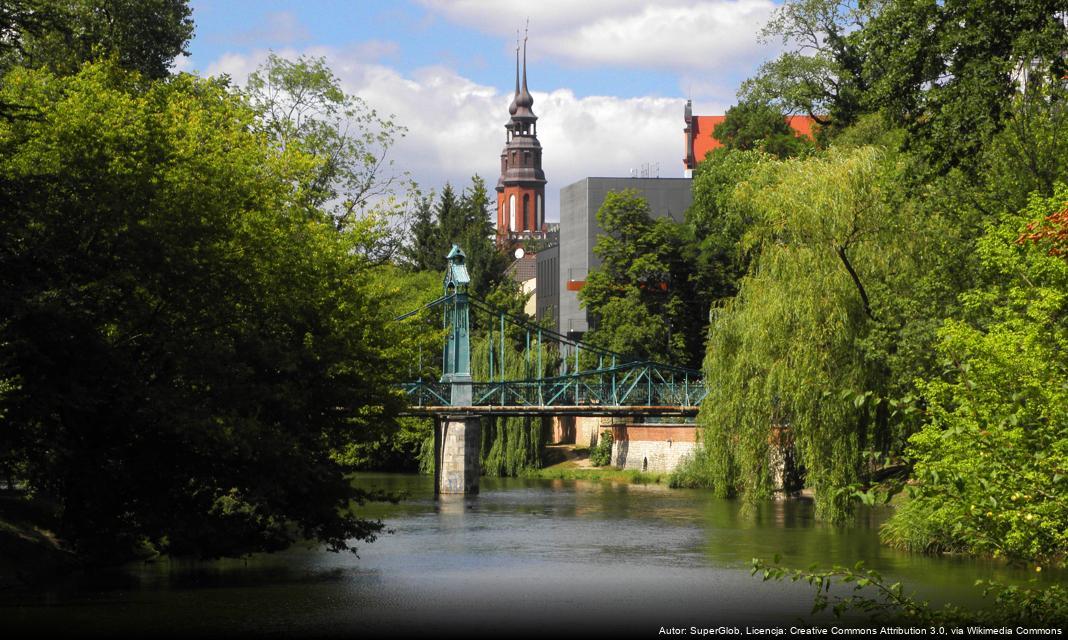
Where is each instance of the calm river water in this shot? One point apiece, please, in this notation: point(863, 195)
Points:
point(526, 556)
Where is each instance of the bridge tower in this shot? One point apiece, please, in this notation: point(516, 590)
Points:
point(521, 187)
point(457, 437)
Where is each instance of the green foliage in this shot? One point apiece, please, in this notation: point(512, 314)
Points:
point(717, 221)
point(510, 446)
point(301, 104)
point(756, 125)
point(141, 35)
point(192, 340)
point(423, 252)
point(692, 472)
point(642, 296)
point(881, 601)
point(462, 220)
point(822, 73)
point(789, 349)
point(878, 297)
point(401, 444)
point(601, 454)
point(949, 70)
point(473, 227)
point(1029, 155)
point(990, 461)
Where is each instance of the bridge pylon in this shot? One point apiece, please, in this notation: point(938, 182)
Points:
point(457, 438)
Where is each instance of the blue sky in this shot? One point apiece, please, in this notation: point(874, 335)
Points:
point(609, 77)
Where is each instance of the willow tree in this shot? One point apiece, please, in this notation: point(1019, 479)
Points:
point(510, 445)
point(788, 351)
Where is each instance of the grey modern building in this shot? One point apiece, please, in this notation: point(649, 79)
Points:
point(574, 258)
point(548, 285)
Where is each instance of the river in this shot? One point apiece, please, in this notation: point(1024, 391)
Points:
point(525, 556)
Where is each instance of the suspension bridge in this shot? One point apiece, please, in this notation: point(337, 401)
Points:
point(523, 369)
point(557, 375)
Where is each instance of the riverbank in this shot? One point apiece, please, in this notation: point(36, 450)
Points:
point(576, 466)
point(30, 554)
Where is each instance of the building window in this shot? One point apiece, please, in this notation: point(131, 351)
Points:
point(539, 218)
point(511, 205)
point(526, 211)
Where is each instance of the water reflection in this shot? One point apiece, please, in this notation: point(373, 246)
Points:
point(551, 554)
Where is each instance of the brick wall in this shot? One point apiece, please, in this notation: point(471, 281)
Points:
point(654, 448)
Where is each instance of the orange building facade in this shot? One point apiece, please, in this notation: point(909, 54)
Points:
point(699, 139)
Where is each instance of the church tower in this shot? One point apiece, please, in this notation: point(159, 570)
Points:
point(521, 188)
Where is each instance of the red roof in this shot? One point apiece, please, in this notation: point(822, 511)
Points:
point(703, 142)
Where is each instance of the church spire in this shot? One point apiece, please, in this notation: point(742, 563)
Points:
point(525, 100)
point(521, 187)
point(512, 108)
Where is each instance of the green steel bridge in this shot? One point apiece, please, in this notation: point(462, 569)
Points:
point(526, 369)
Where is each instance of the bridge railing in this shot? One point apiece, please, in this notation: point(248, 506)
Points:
point(635, 384)
point(523, 364)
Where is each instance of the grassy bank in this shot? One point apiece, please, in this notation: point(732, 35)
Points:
point(572, 471)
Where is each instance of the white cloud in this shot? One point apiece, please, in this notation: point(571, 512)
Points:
point(456, 126)
point(710, 35)
point(181, 63)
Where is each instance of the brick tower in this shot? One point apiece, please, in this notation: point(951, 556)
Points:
point(521, 187)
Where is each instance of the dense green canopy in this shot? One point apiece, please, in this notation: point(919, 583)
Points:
point(188, 337)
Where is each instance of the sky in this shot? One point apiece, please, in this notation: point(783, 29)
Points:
point(610, 78)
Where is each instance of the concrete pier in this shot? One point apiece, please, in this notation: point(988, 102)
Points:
point(457, 440)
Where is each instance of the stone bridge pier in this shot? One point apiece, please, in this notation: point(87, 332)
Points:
point(457, 441)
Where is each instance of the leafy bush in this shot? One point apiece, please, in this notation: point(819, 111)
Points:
point(691, 473)
point(602, 453)
point(881, 601)
point(990, 461)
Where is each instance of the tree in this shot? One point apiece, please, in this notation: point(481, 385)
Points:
point(790, 350)
point(181, 323)
point(641, 296)
point(754, 125)
point(462, 220)
point(423, 252)
point(301, 103)
point(403, 443)
point(142, 35)
point(717, 221)
point(485, 260)
point(948, 71)
point(823, 76)
point(990, 458)
point(1051, 231)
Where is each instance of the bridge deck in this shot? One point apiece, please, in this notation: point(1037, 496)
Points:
point(565, 410)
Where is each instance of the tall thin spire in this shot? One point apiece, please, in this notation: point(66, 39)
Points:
point(525, 99)
point(515, 99)
point(526, 29)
